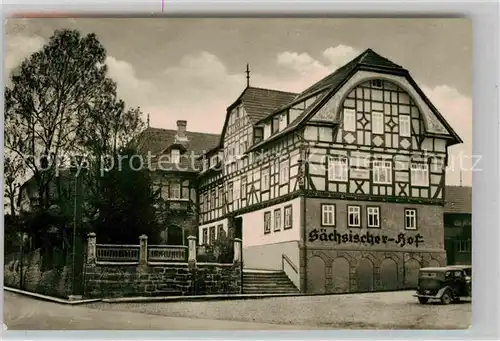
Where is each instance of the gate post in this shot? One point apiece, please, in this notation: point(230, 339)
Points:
point(237, 250)
point(91, 249)
point(143, 250)
point(191, 249)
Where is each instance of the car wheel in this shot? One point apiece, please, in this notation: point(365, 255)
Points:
point(446, 298)
point(423, 300)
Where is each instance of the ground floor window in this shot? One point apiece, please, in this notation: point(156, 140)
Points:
point(204, 239)
point(288, 217)
point(267, 222)
point(277, 220)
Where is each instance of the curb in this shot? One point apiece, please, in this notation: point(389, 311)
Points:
point(194, 298)
point(50, 298)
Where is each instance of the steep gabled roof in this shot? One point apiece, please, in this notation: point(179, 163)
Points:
point(156, 141)
point(458, 199)
point(258, 103)
point(368, 60)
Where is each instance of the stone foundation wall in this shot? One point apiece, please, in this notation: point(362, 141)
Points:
point(53, 282)
point(169, 279)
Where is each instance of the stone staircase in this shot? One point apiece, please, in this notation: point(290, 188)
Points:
point(267, 282)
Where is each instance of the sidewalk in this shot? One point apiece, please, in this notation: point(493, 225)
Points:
point(141, 299)
point(50, 298)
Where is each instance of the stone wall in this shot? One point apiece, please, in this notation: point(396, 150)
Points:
point(53, 282)
point(168, 279)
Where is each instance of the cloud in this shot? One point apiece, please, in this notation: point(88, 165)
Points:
point(457, 110)
point(306, 70)
point(136, 91)
point(18, 47)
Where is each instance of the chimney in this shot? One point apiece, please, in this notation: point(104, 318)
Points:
point(181, 131)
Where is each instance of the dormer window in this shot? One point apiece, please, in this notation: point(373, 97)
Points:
point(175, 155)
point(258, 134)
point(275, 124)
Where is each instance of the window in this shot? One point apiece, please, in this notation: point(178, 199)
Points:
point(277, 220)
point(276, 124)
point(209, 200)
point(327, 215)
point(404, 126)
point(376, 83)
point(265, 179)
point(410, 219)
point(221, 196)
point(288, 218)
point(175, 155)
point(377, 122)
point(220, 231)
point(230, 192)
point(205, 236)
point(337, 168)
point(258, 134)
point(211, 239)
point(267, 222)
point(382, 172)
point(282, 124)
point(284, 172)
point(175, 191)
point(464, 245)
point(373, 216)
point(354, 216)
point(243, 187)
point(213, 198)
point(349, 120)
point(419, 174)
point(236, 190)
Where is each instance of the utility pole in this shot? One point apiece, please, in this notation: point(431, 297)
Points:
point(77, 212)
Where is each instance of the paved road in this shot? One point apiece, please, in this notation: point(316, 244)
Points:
point(388, 310)
point(23, 313)
point(395, 310)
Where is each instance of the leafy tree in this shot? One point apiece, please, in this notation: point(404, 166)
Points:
point(48, 102)
point(127, 205)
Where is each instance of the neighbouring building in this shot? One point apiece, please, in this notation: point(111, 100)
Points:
point(175, 168)
point(458, 224)
point(340, 186)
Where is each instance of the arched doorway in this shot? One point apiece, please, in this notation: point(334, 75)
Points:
point(316, 275)
point(388, 275)
point(173, 235)
point(412, 267)
point(364, 275)
point(434, 263)
point(340, 275)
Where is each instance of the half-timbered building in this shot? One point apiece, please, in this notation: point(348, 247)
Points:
point(340, 186)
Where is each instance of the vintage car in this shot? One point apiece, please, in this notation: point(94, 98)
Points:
point(446, 284)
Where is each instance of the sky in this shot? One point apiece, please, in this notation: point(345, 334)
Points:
point(193, 69)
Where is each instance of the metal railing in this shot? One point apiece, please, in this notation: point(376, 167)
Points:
point(167, 253)
point(117, 253)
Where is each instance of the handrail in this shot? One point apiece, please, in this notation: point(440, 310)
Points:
point(285, 258)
